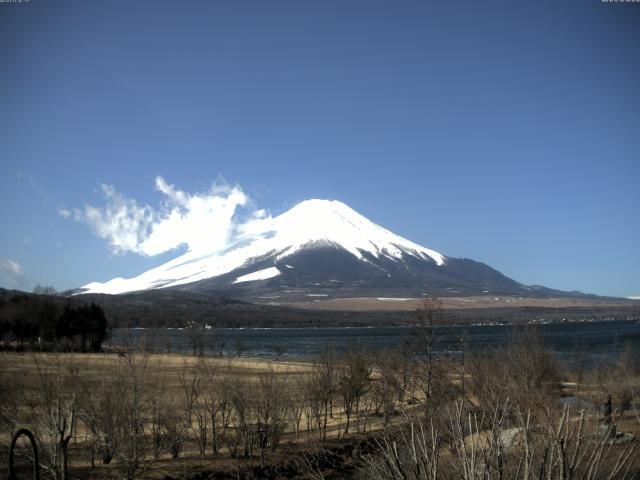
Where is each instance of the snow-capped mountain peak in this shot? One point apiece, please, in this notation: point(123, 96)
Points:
point(308, 224)
point(334, 222)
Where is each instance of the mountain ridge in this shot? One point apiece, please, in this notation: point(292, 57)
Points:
point(307, 224)
point(318, 249)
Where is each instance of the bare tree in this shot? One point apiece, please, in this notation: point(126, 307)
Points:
point(388, 386)
point(242, 394)
point(431, 379)
point(270, 409)
point(190, 385)
point(499, 445)
point(353, 375)
point(56, 411)
point(523, 370)
point(96, 409)
point(133, 401)
point(164, 419)
point(196, 334)
point(216, 398)
point(44, 290)
point(405, 368)
point(297, 403)
point(320, 389)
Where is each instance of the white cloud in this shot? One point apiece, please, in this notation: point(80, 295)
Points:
point(12, 267)
point(201, 221)
point(64, 213)
point(11, 273)
point(123, 222)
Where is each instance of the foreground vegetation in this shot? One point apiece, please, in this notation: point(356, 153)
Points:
point(402, 414)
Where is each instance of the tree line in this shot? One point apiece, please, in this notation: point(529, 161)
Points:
point(46, 322)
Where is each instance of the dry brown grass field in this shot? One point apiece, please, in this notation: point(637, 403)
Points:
point(180, 383)
point(134, 414)
point(467, 302)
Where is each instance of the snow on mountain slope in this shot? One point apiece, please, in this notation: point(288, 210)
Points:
point(259, 275)
point(308, 223)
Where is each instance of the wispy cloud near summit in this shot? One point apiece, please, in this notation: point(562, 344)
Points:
point(202, 221)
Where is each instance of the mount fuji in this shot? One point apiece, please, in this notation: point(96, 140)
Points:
point(320, 248)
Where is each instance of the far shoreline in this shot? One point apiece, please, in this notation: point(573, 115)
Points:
point(405, 326)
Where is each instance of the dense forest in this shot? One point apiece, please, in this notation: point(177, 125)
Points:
point(47, 322)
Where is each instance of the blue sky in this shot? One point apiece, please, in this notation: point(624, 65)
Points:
point(507, 132)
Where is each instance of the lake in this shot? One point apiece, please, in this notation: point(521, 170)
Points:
point(593, 338)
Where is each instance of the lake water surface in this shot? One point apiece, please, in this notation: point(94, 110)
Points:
point(607, 338)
